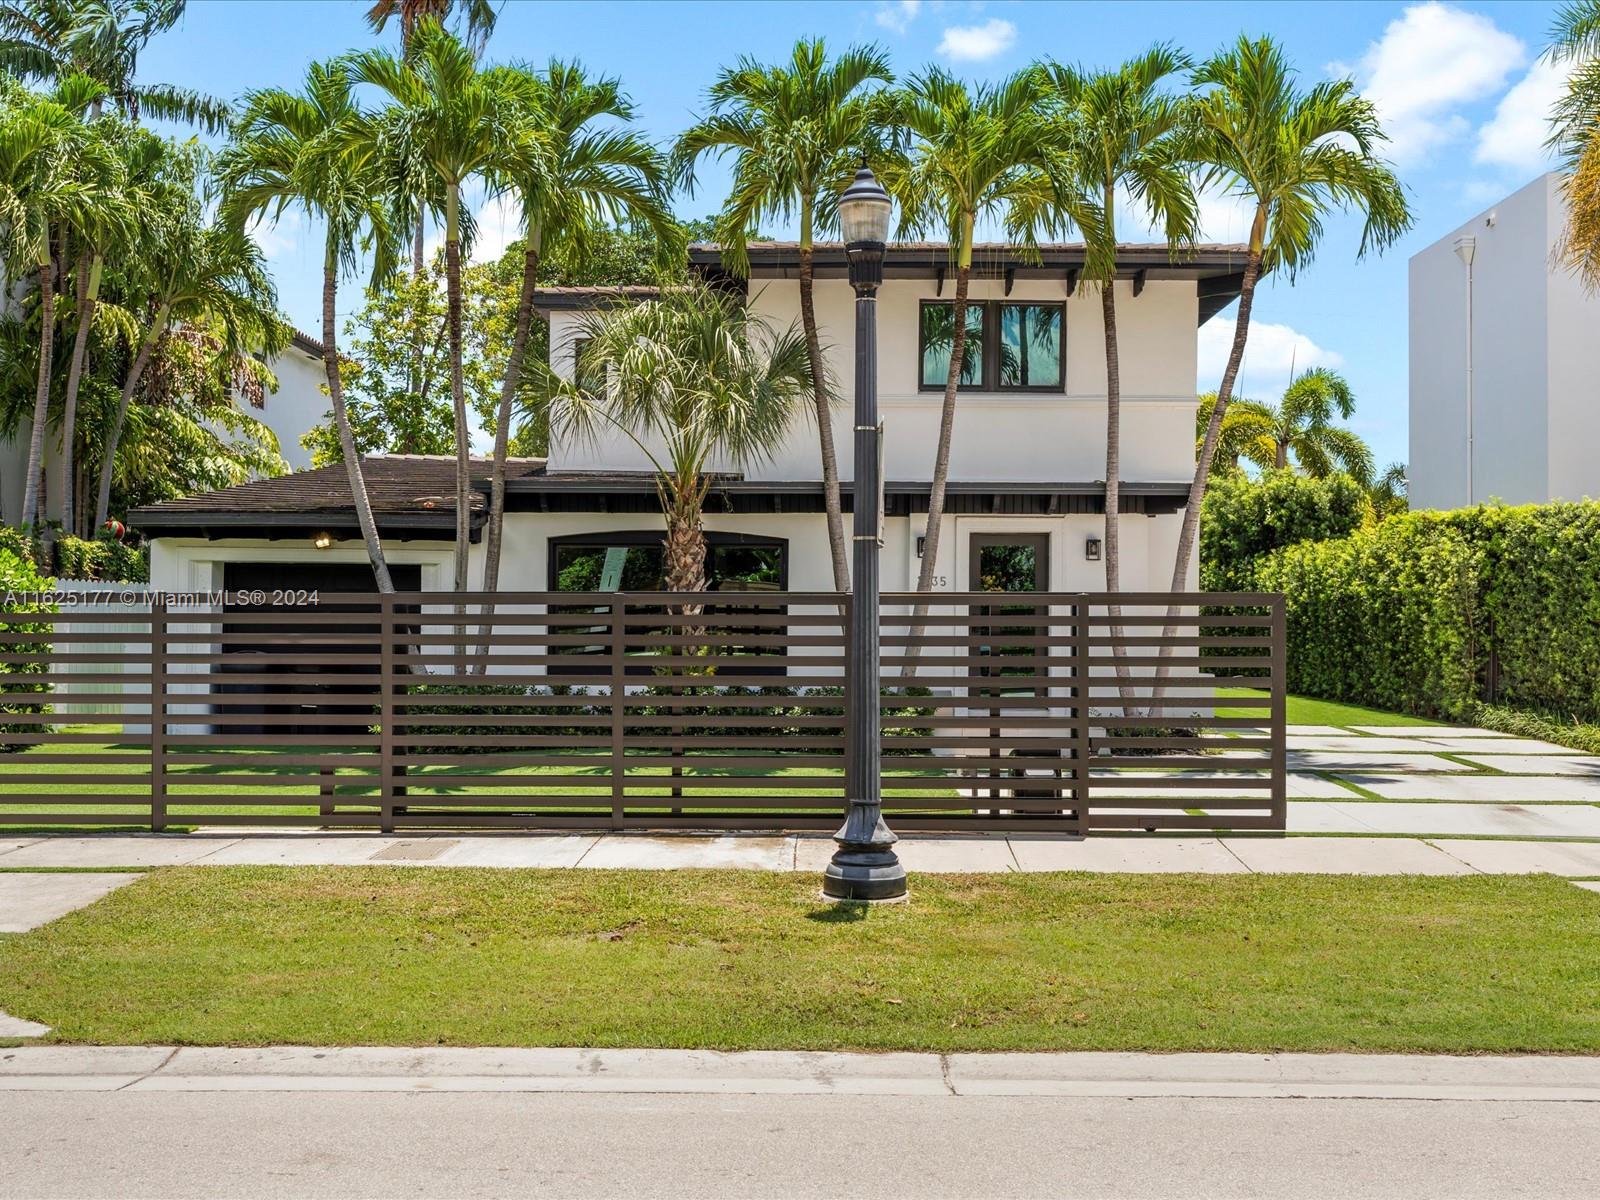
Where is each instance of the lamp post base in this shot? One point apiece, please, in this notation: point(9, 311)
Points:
point(865, 866)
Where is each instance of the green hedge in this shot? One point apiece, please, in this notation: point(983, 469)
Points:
point(1436, 612)
point(18, 578)
point(1242, 519)
point(101, 558)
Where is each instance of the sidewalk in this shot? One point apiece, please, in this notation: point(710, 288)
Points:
point(1395, 855)
point(798, 1073)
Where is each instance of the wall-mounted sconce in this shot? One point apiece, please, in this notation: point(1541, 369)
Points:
point(323, 540)
point(1091, 549)
point(922, 545)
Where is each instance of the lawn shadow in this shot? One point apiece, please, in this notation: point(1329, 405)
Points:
point(841, 912)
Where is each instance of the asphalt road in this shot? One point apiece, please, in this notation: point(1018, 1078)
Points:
point(353, 1144)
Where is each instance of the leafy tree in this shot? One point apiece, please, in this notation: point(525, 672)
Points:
point(53, 39)
point(794, 131)
point(1300, 427)
point(1295, 155)
point(315, 150)
point(690, 377)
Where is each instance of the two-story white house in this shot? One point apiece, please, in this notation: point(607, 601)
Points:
point(1027, 493)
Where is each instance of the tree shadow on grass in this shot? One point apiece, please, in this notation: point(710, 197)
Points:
point(841, 912)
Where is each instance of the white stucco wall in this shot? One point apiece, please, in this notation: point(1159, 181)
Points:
point(998, 435)
point(298, 404)
point(1535, 362)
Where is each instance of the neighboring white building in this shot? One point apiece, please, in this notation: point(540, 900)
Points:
point(1027, 469)
point(1505, 361)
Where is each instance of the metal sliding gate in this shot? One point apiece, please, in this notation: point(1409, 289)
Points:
point(1038, 711)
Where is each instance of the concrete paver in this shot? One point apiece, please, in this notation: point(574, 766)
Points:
point(16, 1027)
point(1510, 745)
point(1474, 820)
point(1320, 816)
point(1588, 885)
point(9, 844)
point(758, 853)
point(1153, 853)
point(1352, 744)
point(1539, 764)
point(1517, 858)
point(30, 899)
point(518, 850)
point(1304, 785)
point(1349, 760)
point(1312, 731)
point(1454, 731)
point(113, 850)
point(1344, 856)
point(296, 851)
point(1479, 789)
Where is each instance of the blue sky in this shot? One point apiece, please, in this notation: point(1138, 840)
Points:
point(1458, 85)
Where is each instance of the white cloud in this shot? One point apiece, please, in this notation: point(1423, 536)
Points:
point(897, 17)
point(1431, 61)
point(977, 43)
point(281, 237)
point(499, 223)
point(1271, 354)
point(1514, 137)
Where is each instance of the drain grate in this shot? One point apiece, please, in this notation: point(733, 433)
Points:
point(414, 851)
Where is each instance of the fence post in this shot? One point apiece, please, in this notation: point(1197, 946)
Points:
point(386, 687)
point(619, 691)
point(1082, 747)
point(1279, 714)
point(158, 713)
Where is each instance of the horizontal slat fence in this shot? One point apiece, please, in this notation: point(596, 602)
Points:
point(1015, 711)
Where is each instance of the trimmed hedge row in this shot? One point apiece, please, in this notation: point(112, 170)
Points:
point(1242, 518)
point(1435, 612)
point(101, 557)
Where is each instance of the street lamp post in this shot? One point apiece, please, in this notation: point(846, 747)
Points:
point(865, 866)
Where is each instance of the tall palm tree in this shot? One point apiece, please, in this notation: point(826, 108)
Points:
point(110, 220)
point(1295, 155)
point(53, 174)
point(480, 16)
point(569, 179)
point(51, 39)
point(1118, 131)
point(314, 150)
point(973, 152)
point(1299, 429)
point(794, 131)
point(1575, 133)
point(210, 271)
point(447, 123)
point(691, 378)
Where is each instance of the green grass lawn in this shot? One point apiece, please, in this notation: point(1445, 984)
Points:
point(1303, 710)
point(725, 959)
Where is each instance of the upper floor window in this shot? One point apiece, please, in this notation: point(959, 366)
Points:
point(1010, 347)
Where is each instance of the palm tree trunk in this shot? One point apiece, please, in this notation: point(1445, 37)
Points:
point(1113, 539)
point(494, 536)
point(458, 396)
point(684, 552)
point(89, 268)
point(341, 424)
point(819, 389)
point(1280, 457)
point(41, 395)
point(941, 458)
point(141, 360)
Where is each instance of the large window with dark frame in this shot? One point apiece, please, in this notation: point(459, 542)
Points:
point(1010, 347)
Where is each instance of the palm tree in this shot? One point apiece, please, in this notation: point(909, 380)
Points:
point(794, 132)
point(1300, 428)
point(569, 179)
point(447, 123)
point(691, 378)
point(1388, 495)
point(481, 17)
point(1575, 133)
point(108, 219)
point(973, 152)
point(51, 39)
point(314, 150)
point(52, 174)
point(1118, 131)
point(208, 272)
point(1295, 155)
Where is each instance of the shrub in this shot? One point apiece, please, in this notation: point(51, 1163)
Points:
point(101, 558)
point(1242, 519)
point(18, 577)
